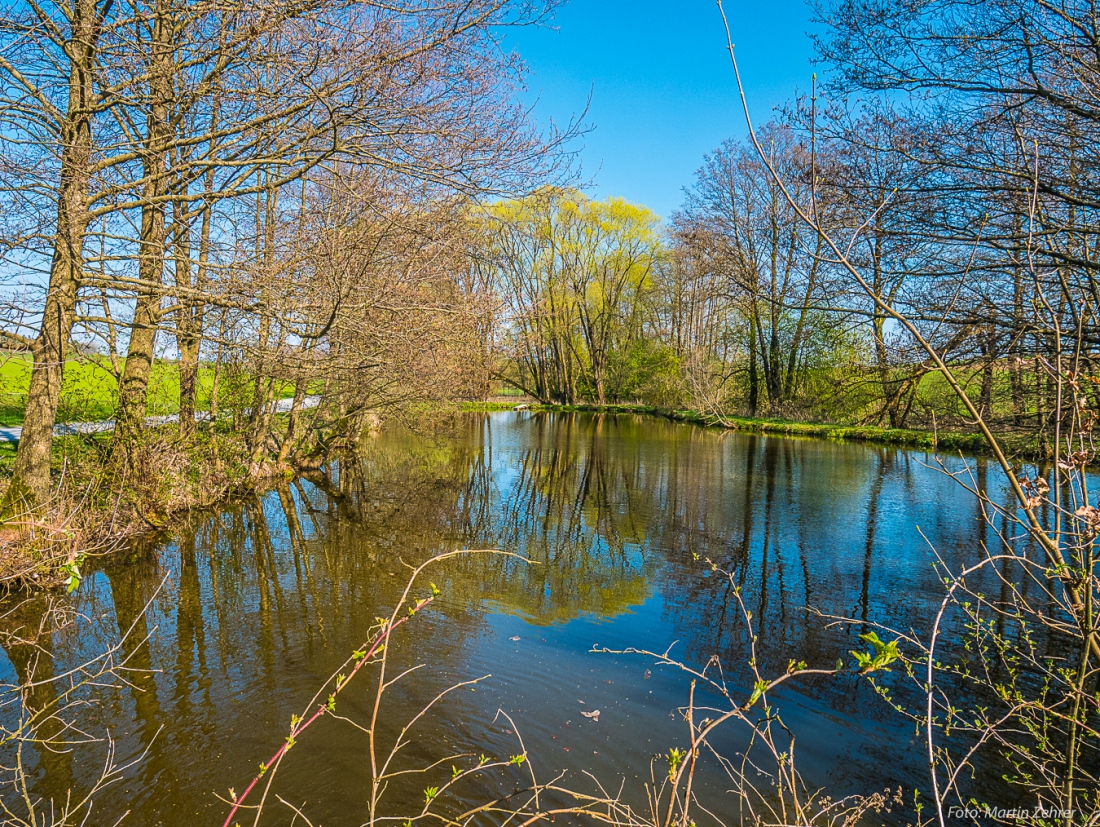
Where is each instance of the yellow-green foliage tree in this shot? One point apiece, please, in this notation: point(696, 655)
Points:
point(574, 278)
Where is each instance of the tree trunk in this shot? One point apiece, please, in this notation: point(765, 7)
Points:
point(754, 378)
point(31, 473)
point(985, 397)
point(262, 412)
point(134, 388)
point(890, 397)
point(292, 427)
point(215, 380)
point(187, 335)
point(1015, 351)
point(790, 385)
point(189, 375)
point(193, 313)
point(891, 394)
point(264, 388)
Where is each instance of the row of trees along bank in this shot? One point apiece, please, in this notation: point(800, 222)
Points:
point(738, 306)
point(280, 188)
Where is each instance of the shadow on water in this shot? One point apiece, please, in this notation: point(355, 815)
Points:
point(250, 610)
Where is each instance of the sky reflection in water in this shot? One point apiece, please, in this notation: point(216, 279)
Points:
point(263, 600)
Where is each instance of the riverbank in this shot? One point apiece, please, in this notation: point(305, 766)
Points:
point(1019, 446)
point(100, 504)
point(98, 508)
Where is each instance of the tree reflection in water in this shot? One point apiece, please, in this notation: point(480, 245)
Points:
point(616, 514)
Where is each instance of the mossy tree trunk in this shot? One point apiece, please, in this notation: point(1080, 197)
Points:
point(189, 328)
point(134, 387)
point(31, 473)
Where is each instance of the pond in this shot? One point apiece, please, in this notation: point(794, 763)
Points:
point(240, 618)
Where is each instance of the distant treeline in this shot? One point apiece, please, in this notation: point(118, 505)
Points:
point(951, 147)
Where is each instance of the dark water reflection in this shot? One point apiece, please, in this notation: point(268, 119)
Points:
point(251, 610)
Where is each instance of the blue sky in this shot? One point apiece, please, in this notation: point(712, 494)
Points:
point(663, 92)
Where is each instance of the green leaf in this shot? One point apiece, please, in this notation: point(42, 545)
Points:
point(758, 690)
point(881, 656)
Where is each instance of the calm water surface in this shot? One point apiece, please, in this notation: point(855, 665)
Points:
point(251, 609)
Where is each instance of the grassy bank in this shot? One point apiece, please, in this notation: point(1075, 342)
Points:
point(89, 391)
point(99, 503)
point(1023, 446)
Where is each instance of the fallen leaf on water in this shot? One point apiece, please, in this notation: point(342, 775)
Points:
point(594, 715)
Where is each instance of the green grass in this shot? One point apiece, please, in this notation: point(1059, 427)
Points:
point(89, 391)
point(934, 392)
point(491, 406)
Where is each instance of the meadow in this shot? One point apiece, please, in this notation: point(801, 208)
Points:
point(90, 389)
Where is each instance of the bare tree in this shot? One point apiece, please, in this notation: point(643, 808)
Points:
point(196, 109)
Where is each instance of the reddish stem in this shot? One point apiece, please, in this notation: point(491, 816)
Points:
point(294, 732)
